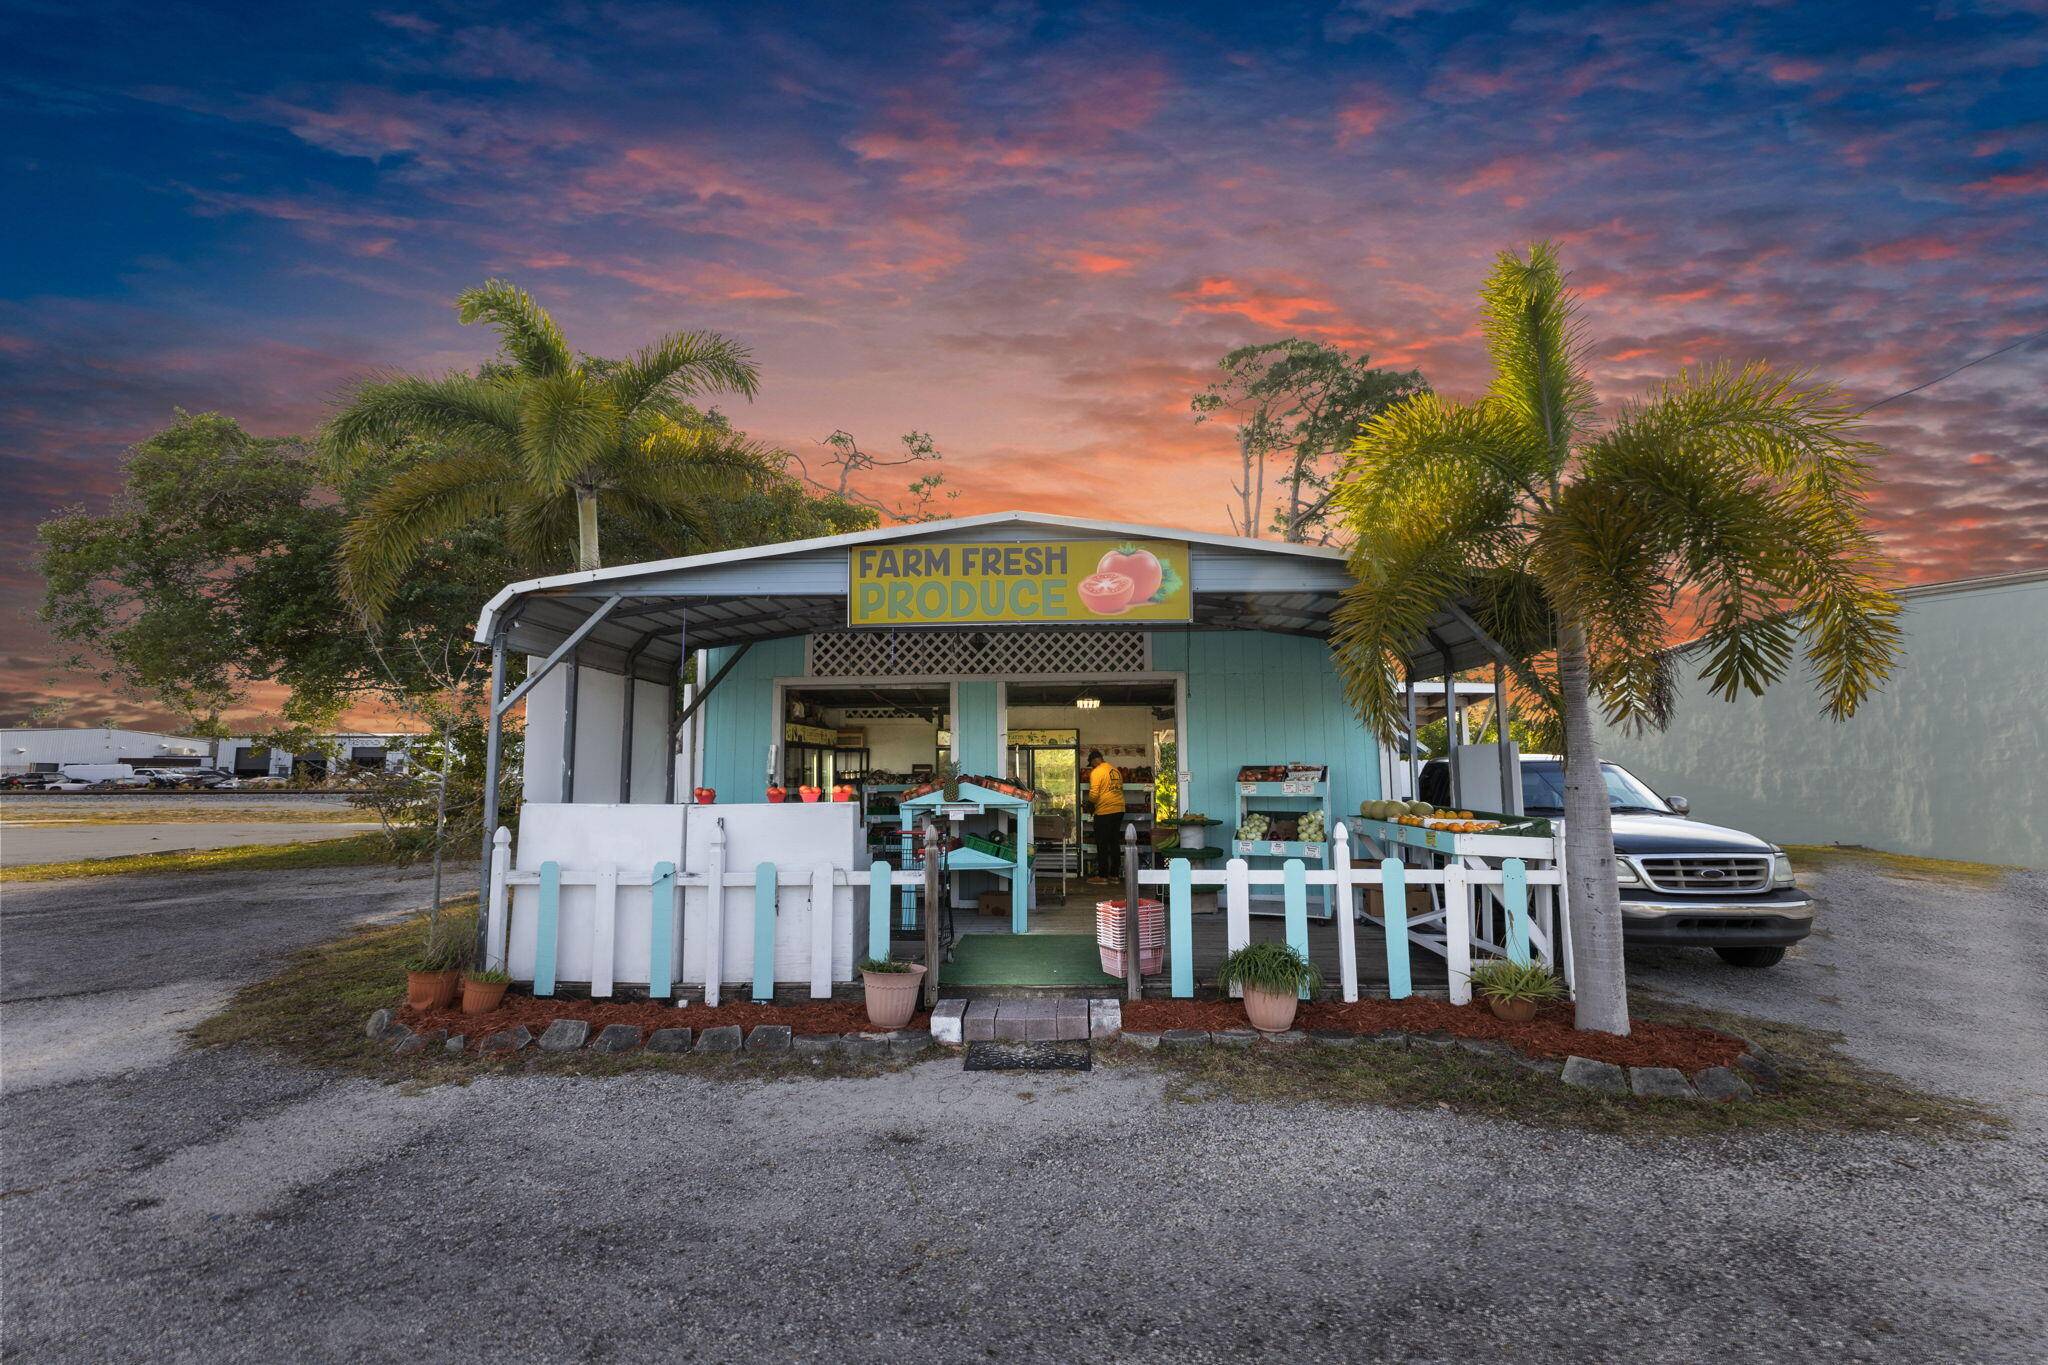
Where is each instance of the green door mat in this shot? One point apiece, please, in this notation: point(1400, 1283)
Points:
point(1025, 960)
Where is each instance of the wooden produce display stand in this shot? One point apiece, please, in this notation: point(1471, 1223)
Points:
point(1000, 817)
point(1302, 789)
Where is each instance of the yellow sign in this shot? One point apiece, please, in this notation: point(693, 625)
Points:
point(1065, 582)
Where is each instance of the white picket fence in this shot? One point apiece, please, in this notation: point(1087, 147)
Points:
point(1470, 897)
point(1512, 910)
point(682, 910)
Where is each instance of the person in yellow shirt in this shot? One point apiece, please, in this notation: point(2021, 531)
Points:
point(1106, 804)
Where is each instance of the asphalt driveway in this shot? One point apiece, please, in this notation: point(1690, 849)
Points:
point(169, 1205)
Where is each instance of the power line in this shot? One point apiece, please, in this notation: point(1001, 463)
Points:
point(1988, 355)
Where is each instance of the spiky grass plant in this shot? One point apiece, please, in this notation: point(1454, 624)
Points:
point(1276, 968)
point(1509, 982)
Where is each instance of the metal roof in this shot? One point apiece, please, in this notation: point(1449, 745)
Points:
point(799, 587)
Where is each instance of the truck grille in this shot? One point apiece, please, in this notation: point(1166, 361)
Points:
point(1707, 875)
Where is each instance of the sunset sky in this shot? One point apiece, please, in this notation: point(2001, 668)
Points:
point(1027, 229)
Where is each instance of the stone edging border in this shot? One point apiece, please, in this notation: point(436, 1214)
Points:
point(572, 1035)
point(1752, 1071)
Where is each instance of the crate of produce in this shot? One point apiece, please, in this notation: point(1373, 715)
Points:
point(1109, 936)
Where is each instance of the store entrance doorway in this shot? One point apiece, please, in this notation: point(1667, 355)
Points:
point(1052, 728)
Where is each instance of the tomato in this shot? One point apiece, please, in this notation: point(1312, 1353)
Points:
point(1140, 566)
point(1107, 594)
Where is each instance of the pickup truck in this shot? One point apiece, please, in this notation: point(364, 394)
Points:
point(1683, 883)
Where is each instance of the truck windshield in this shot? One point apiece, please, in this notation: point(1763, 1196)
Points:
point(1543, 789)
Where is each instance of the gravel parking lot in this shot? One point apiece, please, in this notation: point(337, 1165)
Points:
point(167, 1204)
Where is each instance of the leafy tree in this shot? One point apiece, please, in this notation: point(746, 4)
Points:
point(542, 439)
point(1732, 495)
point(213, 570)
point(848, 463)
point(1304, 402)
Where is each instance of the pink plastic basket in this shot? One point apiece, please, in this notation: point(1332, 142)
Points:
point(1109, 936)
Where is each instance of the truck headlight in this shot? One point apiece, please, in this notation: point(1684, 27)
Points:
point(1625, 873)
point(1781, 870)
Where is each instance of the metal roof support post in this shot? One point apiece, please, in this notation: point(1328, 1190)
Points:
point(716, 679)
point(626, 723)
point(1451, 722)
point(675, 688)
point(493, 729)
point(547, 665)
point(569, 701)
point(1508, 804)
point(1414, 762)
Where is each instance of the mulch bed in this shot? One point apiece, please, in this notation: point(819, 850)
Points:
point(809, 1019)
point(1549, 1034)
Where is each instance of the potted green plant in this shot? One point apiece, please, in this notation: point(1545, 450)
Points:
point(432, 974)
point(892, 989)
point(1513, 990)
point(483, 991)
point(1274, 977)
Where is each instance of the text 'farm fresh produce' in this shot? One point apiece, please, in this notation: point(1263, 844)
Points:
point(1037, 582)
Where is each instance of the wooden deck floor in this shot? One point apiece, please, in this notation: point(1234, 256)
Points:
point(1076, 915)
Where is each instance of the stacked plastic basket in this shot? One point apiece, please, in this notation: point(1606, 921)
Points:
point(1109, 936)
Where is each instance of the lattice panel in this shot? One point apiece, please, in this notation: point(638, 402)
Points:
point(975, 653)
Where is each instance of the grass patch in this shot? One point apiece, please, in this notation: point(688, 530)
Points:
point(182, 814)
point(361, 850)
point(314, 1008)
point(1823, 1091)
point(1820, 857)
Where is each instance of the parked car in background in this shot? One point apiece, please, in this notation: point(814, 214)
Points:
point(1683, 883)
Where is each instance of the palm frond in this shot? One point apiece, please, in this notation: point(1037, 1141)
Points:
point(1752, 484)
point(456, 408)
point(524, 328)
point(1532, 333)
point(1430, 495)
point(567, 426)
point(681, 364)
point(431, 500)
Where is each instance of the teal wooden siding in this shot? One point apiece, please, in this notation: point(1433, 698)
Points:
point(977, 743)
point(739, 718)
point(1255, 697)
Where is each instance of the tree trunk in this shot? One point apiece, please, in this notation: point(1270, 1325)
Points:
point(441, 830)
point(586, 530)
point(1598, 974)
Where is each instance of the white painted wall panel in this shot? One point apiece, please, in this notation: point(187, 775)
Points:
point(584, 837)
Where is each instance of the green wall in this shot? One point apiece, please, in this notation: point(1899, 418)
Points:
point(1945, 762)
point(739, 718)
point(1255, 697)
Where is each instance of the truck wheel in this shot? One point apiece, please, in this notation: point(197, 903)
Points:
point(1751, 957)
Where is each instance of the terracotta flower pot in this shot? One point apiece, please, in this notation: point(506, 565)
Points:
point(1514, 1011)
point(1270, 1011)
point(481, 997)
point(892, 996)
point(431, 990)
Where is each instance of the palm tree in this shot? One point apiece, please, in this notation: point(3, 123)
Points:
point(544, 439)
point(1728, 501)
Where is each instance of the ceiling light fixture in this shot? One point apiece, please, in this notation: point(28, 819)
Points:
point(1087, 703)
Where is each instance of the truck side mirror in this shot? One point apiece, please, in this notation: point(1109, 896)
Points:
point(1678, 804)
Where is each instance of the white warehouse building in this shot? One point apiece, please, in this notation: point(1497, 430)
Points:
point(1944, 762)
point(48, 750)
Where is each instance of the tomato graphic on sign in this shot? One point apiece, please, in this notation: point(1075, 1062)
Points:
point(1140, 566)
point(1107, 594)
